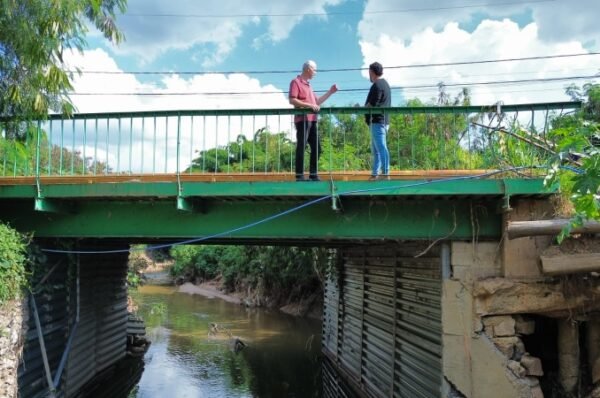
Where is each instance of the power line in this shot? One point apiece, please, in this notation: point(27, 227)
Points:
point(350, 81)
point(334, 13)
point(256, 72)
point(215, 93)
point(487, 61)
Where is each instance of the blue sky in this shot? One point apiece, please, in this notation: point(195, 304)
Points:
point(267, 35)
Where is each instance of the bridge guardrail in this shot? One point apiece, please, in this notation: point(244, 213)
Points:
point(262, 141)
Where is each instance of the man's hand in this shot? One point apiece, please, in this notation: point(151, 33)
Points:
point(315, 107)
point(333, 89)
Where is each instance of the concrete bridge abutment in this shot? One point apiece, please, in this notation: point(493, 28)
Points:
point(511, 330)
point(462, 318)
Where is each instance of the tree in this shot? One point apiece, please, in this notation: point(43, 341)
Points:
point(34, 37)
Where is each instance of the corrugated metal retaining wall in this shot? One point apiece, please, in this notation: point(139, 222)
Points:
point(382, 320)
point(100, 338)
point(334, 386)
point(52, 307)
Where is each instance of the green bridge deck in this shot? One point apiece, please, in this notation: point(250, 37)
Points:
point(340, 209)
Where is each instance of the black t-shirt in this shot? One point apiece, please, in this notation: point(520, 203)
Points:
point(379, 96)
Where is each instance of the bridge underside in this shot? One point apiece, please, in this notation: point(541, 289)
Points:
point(264, 212)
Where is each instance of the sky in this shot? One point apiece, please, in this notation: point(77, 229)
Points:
point(235, 54)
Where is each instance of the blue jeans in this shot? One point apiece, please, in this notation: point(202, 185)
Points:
point(381, 155)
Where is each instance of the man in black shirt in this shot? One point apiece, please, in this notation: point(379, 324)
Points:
point(379, 96)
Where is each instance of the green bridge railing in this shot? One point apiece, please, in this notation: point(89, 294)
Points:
point(259, 141)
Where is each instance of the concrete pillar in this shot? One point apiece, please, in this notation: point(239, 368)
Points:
point(568, 354)
point(593, 347)
point(521, 257)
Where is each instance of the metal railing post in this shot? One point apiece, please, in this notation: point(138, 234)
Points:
point(179, 189)
point(131, 145)
point(37, 159)
point(73, 149)
point(62, 142)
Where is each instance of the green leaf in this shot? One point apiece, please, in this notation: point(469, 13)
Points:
point(34, 36)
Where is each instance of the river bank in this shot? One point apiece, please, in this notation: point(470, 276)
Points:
point(286, 279)
point(13, 317)
point(310, 306)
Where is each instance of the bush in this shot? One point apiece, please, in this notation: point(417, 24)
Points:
point(196, 261)
point(275, 269)
point(13, 258)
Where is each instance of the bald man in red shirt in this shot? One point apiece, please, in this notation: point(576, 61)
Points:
point(301, 95)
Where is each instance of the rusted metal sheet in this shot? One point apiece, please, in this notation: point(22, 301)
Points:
point(384, 306)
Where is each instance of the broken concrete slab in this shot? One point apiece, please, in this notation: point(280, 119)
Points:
point(499, 326)
point(502, 296)
point(533, 365)
point(524, 325)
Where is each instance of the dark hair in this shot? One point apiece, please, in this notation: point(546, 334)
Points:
point(377, 68)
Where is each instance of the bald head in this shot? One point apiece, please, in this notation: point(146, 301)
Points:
point(310, 64)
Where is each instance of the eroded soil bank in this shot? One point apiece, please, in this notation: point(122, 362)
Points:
point(12, 330)
point(310, 305)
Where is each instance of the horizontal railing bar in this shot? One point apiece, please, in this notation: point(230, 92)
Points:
point(328, 110)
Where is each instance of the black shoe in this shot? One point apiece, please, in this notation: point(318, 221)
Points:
point(380, 177)
point(314, 178)
point(300, 178)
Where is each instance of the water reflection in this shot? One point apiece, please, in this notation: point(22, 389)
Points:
point(281, 359)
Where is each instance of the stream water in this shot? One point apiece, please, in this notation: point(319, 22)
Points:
point(189, 359)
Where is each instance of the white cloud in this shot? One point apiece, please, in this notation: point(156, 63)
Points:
point(438, 38)
point(557, 20)
point(124, 147)
point(568, 20)
point(151, 36)
point(268, 96)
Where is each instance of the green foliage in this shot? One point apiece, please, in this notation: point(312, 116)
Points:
point(186, 261)
point(13, 259)
point(136, 265)
point(273, 268)
point(159, 309)
point(33, 39)
point(577, 139)
point(346, 143)
point(512, 151)
point(266, 152)
point(133, 280)
point(158, 255)
point(416, 141)
point(18, 155)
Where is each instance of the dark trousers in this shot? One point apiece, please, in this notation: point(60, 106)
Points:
point(306, 132)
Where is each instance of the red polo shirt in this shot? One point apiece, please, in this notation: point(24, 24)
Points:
point(300, 89)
